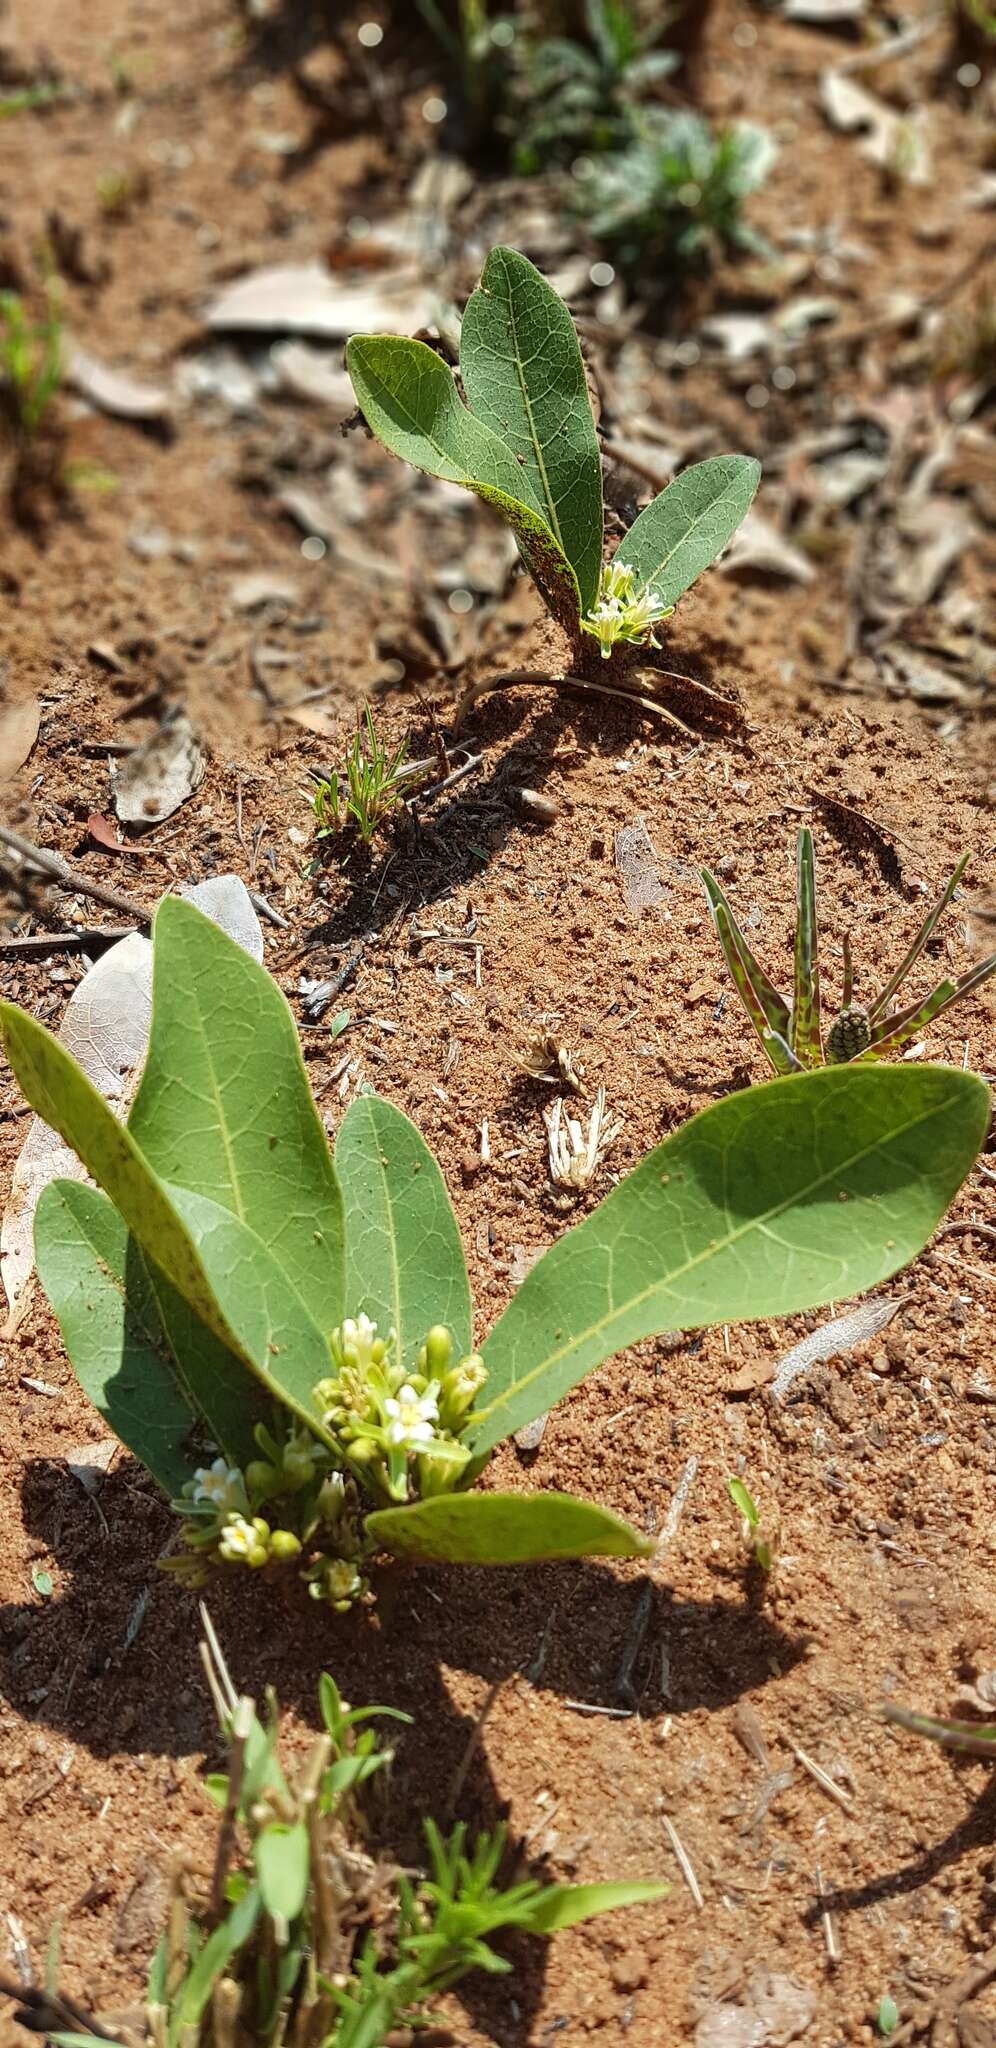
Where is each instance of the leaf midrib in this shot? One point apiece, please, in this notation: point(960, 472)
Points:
point(527, 403)
point(417, 427)
point(634, 1301)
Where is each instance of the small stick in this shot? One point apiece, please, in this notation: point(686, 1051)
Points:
point(72, 877)
point(66, 942)
point(508, 681)
point(829, 1923)
point(611, 1713)
point(634, 1644)
point(460, 1774)
point(822, 1777)
point(669, 1527)
point(265, 909)
point(684, 1861)
point(242, 1720)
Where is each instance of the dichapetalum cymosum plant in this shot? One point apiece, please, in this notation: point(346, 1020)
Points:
point(790, 1028)
point(285, 1339)
point(519, 431)
point(673, 197)
point(302, 1937)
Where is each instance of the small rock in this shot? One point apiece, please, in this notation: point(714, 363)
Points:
point(631, 1970)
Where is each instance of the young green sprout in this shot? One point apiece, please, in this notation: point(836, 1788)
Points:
point(30, 360)
point(790, 1030)
point(760, 1541)
point(369, 787)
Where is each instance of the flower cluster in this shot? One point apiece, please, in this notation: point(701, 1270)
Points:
point(382, 1434)
point(623, 613)
point(398, 1430)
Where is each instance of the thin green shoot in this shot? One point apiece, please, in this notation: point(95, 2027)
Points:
point(761, 1543)
point(30, 359)
point(370, 785)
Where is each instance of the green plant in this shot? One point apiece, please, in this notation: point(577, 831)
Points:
point(791, 1030)
point(478, 48)
point(760, 1542)
point(306, 1940)
point(368, 789)
point(525, 441)
point(972, 1738)
point(30, 359)
point(674, 195)
point(28, 98)
point(286, 1341)
point(567, 98)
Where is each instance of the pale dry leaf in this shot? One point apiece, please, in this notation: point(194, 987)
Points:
point(833, 1340)
point(759, 547)
point(305, 298)
point(636, 861)
point(18, 732)
point(316, 376)
point(897, 143)
point(115, 391)
point(160, 775)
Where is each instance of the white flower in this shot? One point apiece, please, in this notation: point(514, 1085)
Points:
point(242, 1542)
point(222, 1485)
point(411, 1417)
point(620, 613)
point(356, 1343)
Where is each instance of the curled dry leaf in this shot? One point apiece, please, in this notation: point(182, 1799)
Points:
point(759, 547)
point(574, 1159)
point(895, 142)
point(18, 732)
point(158, 777)
point(833, 1340)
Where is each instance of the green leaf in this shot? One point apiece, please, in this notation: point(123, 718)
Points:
point(220, 1268)
point(504, 1528)
point(409, 400)
point(564, 1905)
point(806, 1190)
point(151, 1369)
point(224, 1107)
point(768, 1012)
point(522, 371)
point(282, 1856)
point(63, 1097)
point(807, 1043)
point(193, 1996)
point(685, 527)
point(42, 1582)
point(405, 1267)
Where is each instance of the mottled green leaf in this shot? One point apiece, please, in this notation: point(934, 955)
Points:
point(807, 1190)
point(807, 1043)
point(224, 1107)
point(409, 400)
point(522, 371)
point(405, 1267)
point(504, 1528)
point(768, 1012)
point(688, 524)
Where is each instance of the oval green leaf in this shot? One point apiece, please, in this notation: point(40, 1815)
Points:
point(409, 400)
point(504, 1528)
point(688, 524)
point(405, 1267)
point(224, 1107)
point(151, 1369)
point(521, 365)
point(282, 1856)
point(806, 1190)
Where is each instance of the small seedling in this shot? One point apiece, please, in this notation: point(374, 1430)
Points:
point(285, 1339)
point(569, 99)
point(791, 1030)
point(519, 432)
point(30, 360)
point(674, 196)
point(972, 1738)
point(370, 786)
point(303, 1937)
point(478, 47)
point(760, 1542)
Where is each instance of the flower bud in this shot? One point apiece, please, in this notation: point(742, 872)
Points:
point(284, 1545)
point(459, 1391)
point(261, 1479)
point(299, 1470)
point(436, 1351)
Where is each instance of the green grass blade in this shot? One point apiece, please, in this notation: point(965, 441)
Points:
point(522, 370)
point(807, 1043)
point(973, 1738)
point(923, 935)
point(767, 1010)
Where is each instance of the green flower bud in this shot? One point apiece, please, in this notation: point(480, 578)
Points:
point(459, 1391)
point(284, 1545)
point(438, 1350)
point(261, 1479)
point(298, 1470)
